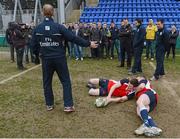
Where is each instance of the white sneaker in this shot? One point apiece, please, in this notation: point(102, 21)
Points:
point(145, 58)
point(140, 130)
point(77, 59)
point(158, 129)
point(153, 78)
point(82, 59)
point(152, 131)
point(152, 59)
point(49, 107)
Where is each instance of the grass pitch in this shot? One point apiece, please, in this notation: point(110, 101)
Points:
point(23, 112)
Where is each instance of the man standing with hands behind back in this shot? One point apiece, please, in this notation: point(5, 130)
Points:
point(47, 42)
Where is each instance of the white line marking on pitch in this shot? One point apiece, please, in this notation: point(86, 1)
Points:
point(168, 87)
point(19, 74)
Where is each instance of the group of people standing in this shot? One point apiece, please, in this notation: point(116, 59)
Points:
point(48, 41)
point(19, 37)
point(104, 36)
point(128, 40)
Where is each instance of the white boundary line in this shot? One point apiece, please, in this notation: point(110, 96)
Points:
point(19, 74)
point(168, 87)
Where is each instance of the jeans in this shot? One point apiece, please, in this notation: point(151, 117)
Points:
point(78, 51)
point(71, 49)
point(116, 44)
point(26, 51)
point(149, 47)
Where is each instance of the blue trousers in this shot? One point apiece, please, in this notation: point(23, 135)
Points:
point(137, 59)
point(58, 65)
point(149, 47)
point(160, 53)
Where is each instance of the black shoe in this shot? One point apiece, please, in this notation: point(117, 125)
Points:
point(12, 61)
point(120, 66)
point(22, 68)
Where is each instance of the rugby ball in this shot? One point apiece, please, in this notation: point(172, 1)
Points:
point(100, 102)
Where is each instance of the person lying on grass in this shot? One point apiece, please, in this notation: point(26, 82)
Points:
point(141, 89)
point(108, 87)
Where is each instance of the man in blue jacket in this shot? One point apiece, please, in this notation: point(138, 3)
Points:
point(138, 44)
point(162, 42)
point(47, 42)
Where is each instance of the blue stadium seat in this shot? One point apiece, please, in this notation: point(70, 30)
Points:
point(108, 10)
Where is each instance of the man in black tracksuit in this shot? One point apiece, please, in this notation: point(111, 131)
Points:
point(162, 42)
point(9, 38)
point(125, 41)
point(114, 36)
point(86, 36)
point(106, 34)
point(173, 35)
point(47, 42)
point(95, 36)
point(138, 44)
point(19, 43)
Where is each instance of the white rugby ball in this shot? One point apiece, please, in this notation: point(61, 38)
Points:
point(100, 102)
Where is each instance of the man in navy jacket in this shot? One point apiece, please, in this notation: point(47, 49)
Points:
point(162, 42)
point(47, 42)
point(138, 44)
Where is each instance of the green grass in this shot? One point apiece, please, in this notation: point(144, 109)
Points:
point(23, 113)
point(2, 49)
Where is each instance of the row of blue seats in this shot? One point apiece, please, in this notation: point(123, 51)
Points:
point(135, 0)
point(132, 14)
point(116, 11)
point(156, 1)
point(148, 6)
point(145, 18)
point(139, 7)
point(138, 3)
point(148, 2)
point(133, 8)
